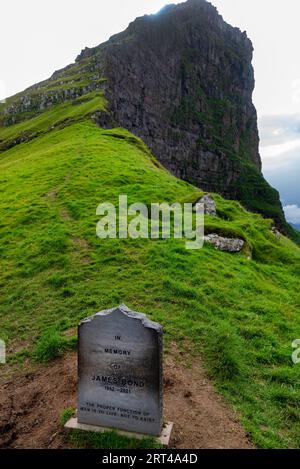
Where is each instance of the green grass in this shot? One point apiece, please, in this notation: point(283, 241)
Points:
point(52, 344)
point(239, 315)
point(110, 439)
point(58, 115)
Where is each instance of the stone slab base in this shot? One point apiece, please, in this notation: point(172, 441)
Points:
point(163, 439)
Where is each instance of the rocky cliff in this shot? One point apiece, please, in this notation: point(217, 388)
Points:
point(182, 80)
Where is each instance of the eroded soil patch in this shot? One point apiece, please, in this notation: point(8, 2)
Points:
point(32, 403)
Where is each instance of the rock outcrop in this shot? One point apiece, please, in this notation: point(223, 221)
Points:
point(224, 244)
point(208, 204)
point(275, 232)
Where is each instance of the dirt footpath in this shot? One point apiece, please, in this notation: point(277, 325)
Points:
point(32, 403)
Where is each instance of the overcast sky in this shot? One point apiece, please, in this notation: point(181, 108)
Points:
point(38, 37)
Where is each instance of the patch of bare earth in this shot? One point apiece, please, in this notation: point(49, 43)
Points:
point(65, 214)
point(32, 403)
point(201, 417)
point(52, 195)
point(82, 248)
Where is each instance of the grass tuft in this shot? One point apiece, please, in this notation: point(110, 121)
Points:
point(109, 439)
point(224, 353)
point(52, 345)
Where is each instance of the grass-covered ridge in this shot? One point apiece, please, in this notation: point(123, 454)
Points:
point(75, 81)
point(240, 315)
point(58, 116)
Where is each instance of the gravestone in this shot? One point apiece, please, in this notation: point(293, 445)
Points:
point(120, 372)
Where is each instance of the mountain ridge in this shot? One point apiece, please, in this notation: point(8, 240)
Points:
point(181, 80)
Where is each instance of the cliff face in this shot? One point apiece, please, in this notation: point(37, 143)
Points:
point(182, 80)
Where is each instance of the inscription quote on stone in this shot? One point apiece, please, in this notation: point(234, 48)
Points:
point(120, 372)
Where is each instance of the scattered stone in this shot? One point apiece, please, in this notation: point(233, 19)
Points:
point(224, 244)
point(275, 232)
point(209, 205)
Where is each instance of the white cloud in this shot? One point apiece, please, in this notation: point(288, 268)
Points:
point(3, 92)
point(276, 150)
point(292, 213)
point(279, 129)
point(279, 140)
point(280, 152)
point(285, 155)
point(296, 92)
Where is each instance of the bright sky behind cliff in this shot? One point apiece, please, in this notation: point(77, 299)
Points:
point(38, 37)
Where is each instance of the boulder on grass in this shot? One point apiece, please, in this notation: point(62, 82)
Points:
point(225, 244)
point(209, 205)
point(275, 232)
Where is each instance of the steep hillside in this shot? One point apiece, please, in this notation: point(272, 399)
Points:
point(240, 315)
point(181, 80)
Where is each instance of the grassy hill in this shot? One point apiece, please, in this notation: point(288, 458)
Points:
point(241, 315)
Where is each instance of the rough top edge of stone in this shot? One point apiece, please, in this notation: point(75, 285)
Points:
point(127, 312)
